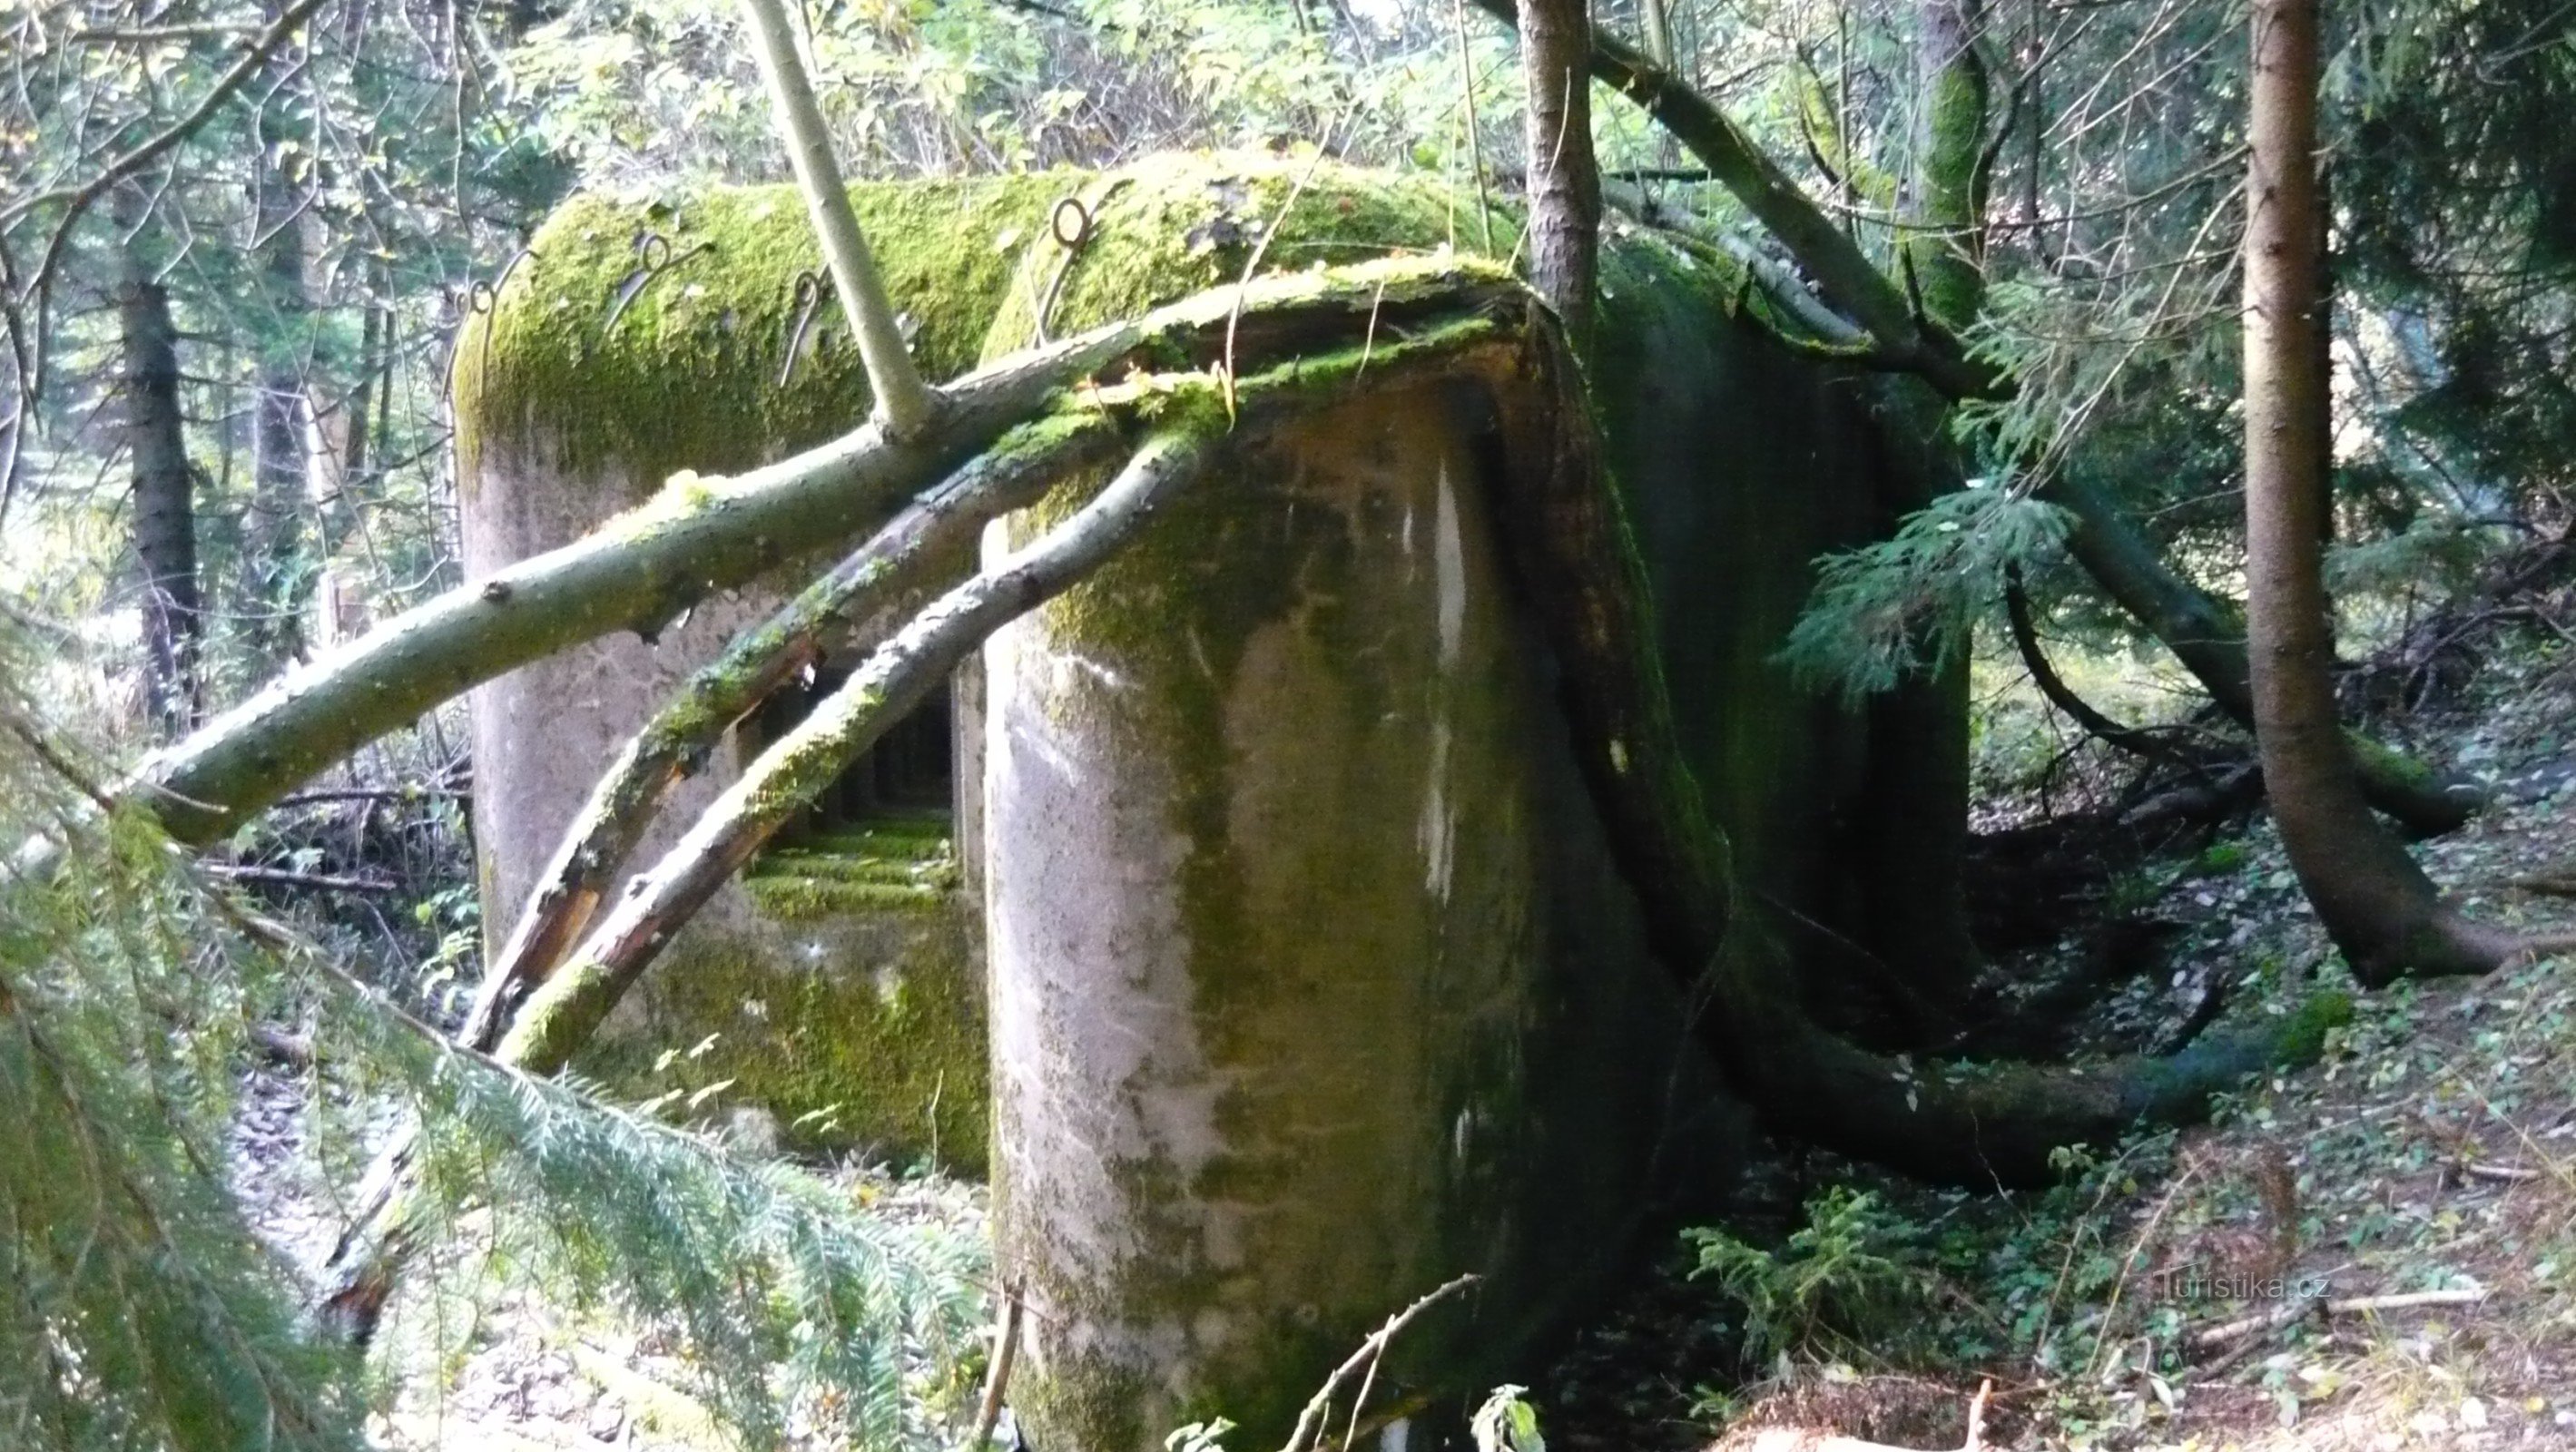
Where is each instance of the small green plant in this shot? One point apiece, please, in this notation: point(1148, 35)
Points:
point(1850, 1277)
point(1506, 1423)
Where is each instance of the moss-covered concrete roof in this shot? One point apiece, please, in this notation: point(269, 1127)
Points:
point(590, 359)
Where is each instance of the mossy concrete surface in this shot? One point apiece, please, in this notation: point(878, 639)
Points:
point(638, 338)
point(651, 336)
point(1313, 985)
point(1266, 904)
point(857, 1030)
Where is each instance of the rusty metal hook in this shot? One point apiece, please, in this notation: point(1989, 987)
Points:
point(808, 301)
point(481, 299)
point(653, 257)
point(1070, 222)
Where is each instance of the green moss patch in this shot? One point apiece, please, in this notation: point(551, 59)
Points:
point(1174, 225)
point(857, 1033)
point(653, 334)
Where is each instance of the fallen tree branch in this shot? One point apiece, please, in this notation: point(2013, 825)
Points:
point(704, 535)
point(904, 404)
point(1572, 550)
point(366, 1262)
point(793, 771)
point(2293, 1308)
point(571, 1003)
point(929, 533)
point(1886, 331)
point(2406, 1301)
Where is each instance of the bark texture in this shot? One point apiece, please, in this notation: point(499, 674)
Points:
point(165, 521)
point(1564, 177)
point(2376, 903)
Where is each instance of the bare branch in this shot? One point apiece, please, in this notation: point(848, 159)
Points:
point(603, 837)
point(799, 767)
point(904, 403)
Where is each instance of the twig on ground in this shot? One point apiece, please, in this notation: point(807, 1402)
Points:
point(1006, 1348)
point(283, 877)
point(1311, 1419)
point(2250, 1330)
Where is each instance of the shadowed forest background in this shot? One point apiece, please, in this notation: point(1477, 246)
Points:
point(1125, 723)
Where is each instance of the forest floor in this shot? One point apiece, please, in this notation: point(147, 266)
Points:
point(2375, 1253)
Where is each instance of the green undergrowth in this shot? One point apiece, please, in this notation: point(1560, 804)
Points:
point(154, 1170)
point(2231, 1285)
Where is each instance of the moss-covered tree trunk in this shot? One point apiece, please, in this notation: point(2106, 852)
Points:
point(1919, 731)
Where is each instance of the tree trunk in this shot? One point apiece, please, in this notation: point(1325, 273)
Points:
point(1564, 177)
point(1572, 550)
point(1919, 732)
point(1946, 197)
point(1887, 331)
point(271, 595)
point(2205, 635)
point(165, 520)
point(1842, 271)
point(2379, 907)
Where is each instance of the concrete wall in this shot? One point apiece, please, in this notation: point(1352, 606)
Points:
point(1308, 991)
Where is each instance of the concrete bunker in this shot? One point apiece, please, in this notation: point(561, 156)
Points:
point(1308, 981)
